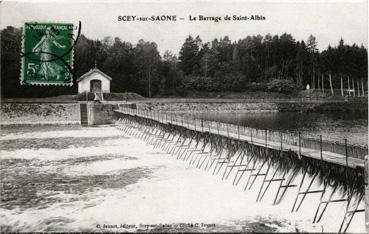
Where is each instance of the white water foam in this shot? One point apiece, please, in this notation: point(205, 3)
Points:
point(174, 193)
point(85, 132)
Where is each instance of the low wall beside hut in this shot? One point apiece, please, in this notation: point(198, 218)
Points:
point(99, 113)
point(40, 113)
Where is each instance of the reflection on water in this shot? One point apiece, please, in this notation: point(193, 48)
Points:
point(335, 126)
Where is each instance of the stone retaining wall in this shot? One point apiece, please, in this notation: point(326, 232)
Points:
point(40, 113)
point(307, 106)
point(99, 113)
point(203, 107)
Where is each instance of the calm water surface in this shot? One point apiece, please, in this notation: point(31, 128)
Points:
point(334, 126)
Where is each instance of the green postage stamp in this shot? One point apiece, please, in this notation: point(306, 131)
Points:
point(47, 54)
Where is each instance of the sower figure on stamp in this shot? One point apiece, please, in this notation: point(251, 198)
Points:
point(44, 47)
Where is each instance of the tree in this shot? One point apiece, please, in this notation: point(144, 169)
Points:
point(10, 61)
point(170, 75)
point(189, 54)
point(312, 48)
point(275, 63)
point(147, 59)
point(301, 58)
point(84, 55)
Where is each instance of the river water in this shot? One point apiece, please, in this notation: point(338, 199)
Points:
point(332, 126)
point(69, 178)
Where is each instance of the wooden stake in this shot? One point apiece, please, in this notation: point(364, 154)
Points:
point(281, 141)
point(227, 130)
point(321, 148)
point(358, 88)
point(251, 136)
point(341, 86)
point(266, 138)
point(313, 78)
point(353, 86)
point(348, 86)
point(195, 122)
point(318, 82)
point(330, 83)
point(346, 168)
point(323, 83)
point(238, 131)
point(362, 87)
point(299, 145)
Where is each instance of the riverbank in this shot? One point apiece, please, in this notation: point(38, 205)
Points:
point(85, 178)
point(229, 105)
point(66, 110)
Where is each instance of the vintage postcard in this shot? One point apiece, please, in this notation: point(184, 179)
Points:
point(198, 116)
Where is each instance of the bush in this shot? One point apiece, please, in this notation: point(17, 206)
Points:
point(217, 83)
point(110, 96)
point(199, 83)
point(282, 86)
point(257, 86)
point(231, 82)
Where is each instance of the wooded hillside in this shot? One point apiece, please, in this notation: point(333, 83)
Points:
point(265, 63)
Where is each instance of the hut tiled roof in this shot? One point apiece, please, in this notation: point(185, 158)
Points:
point(92, 71)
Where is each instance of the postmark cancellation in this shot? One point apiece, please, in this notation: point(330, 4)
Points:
point(47, 54)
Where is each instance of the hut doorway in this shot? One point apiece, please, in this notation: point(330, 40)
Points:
point(95, 86)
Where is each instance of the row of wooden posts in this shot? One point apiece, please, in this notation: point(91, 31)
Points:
point(214, 152)
point(355, 90)
point(339, 146)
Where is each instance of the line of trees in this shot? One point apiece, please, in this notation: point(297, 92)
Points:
point(268, 63)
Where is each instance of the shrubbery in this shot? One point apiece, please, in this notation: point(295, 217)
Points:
point(257, 86)
point(282, 86)
point(234, 82)
point(224, 82)
point(109, 96)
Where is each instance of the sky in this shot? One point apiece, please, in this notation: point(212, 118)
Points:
point(327, 20)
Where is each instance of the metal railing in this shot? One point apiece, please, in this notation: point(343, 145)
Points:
point(341, 147)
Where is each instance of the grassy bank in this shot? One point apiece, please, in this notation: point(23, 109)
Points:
point(302, 101)
point(196, 96)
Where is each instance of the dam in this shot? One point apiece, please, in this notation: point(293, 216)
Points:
point(269, 162)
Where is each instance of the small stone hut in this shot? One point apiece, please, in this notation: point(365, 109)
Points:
point(94, 81)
